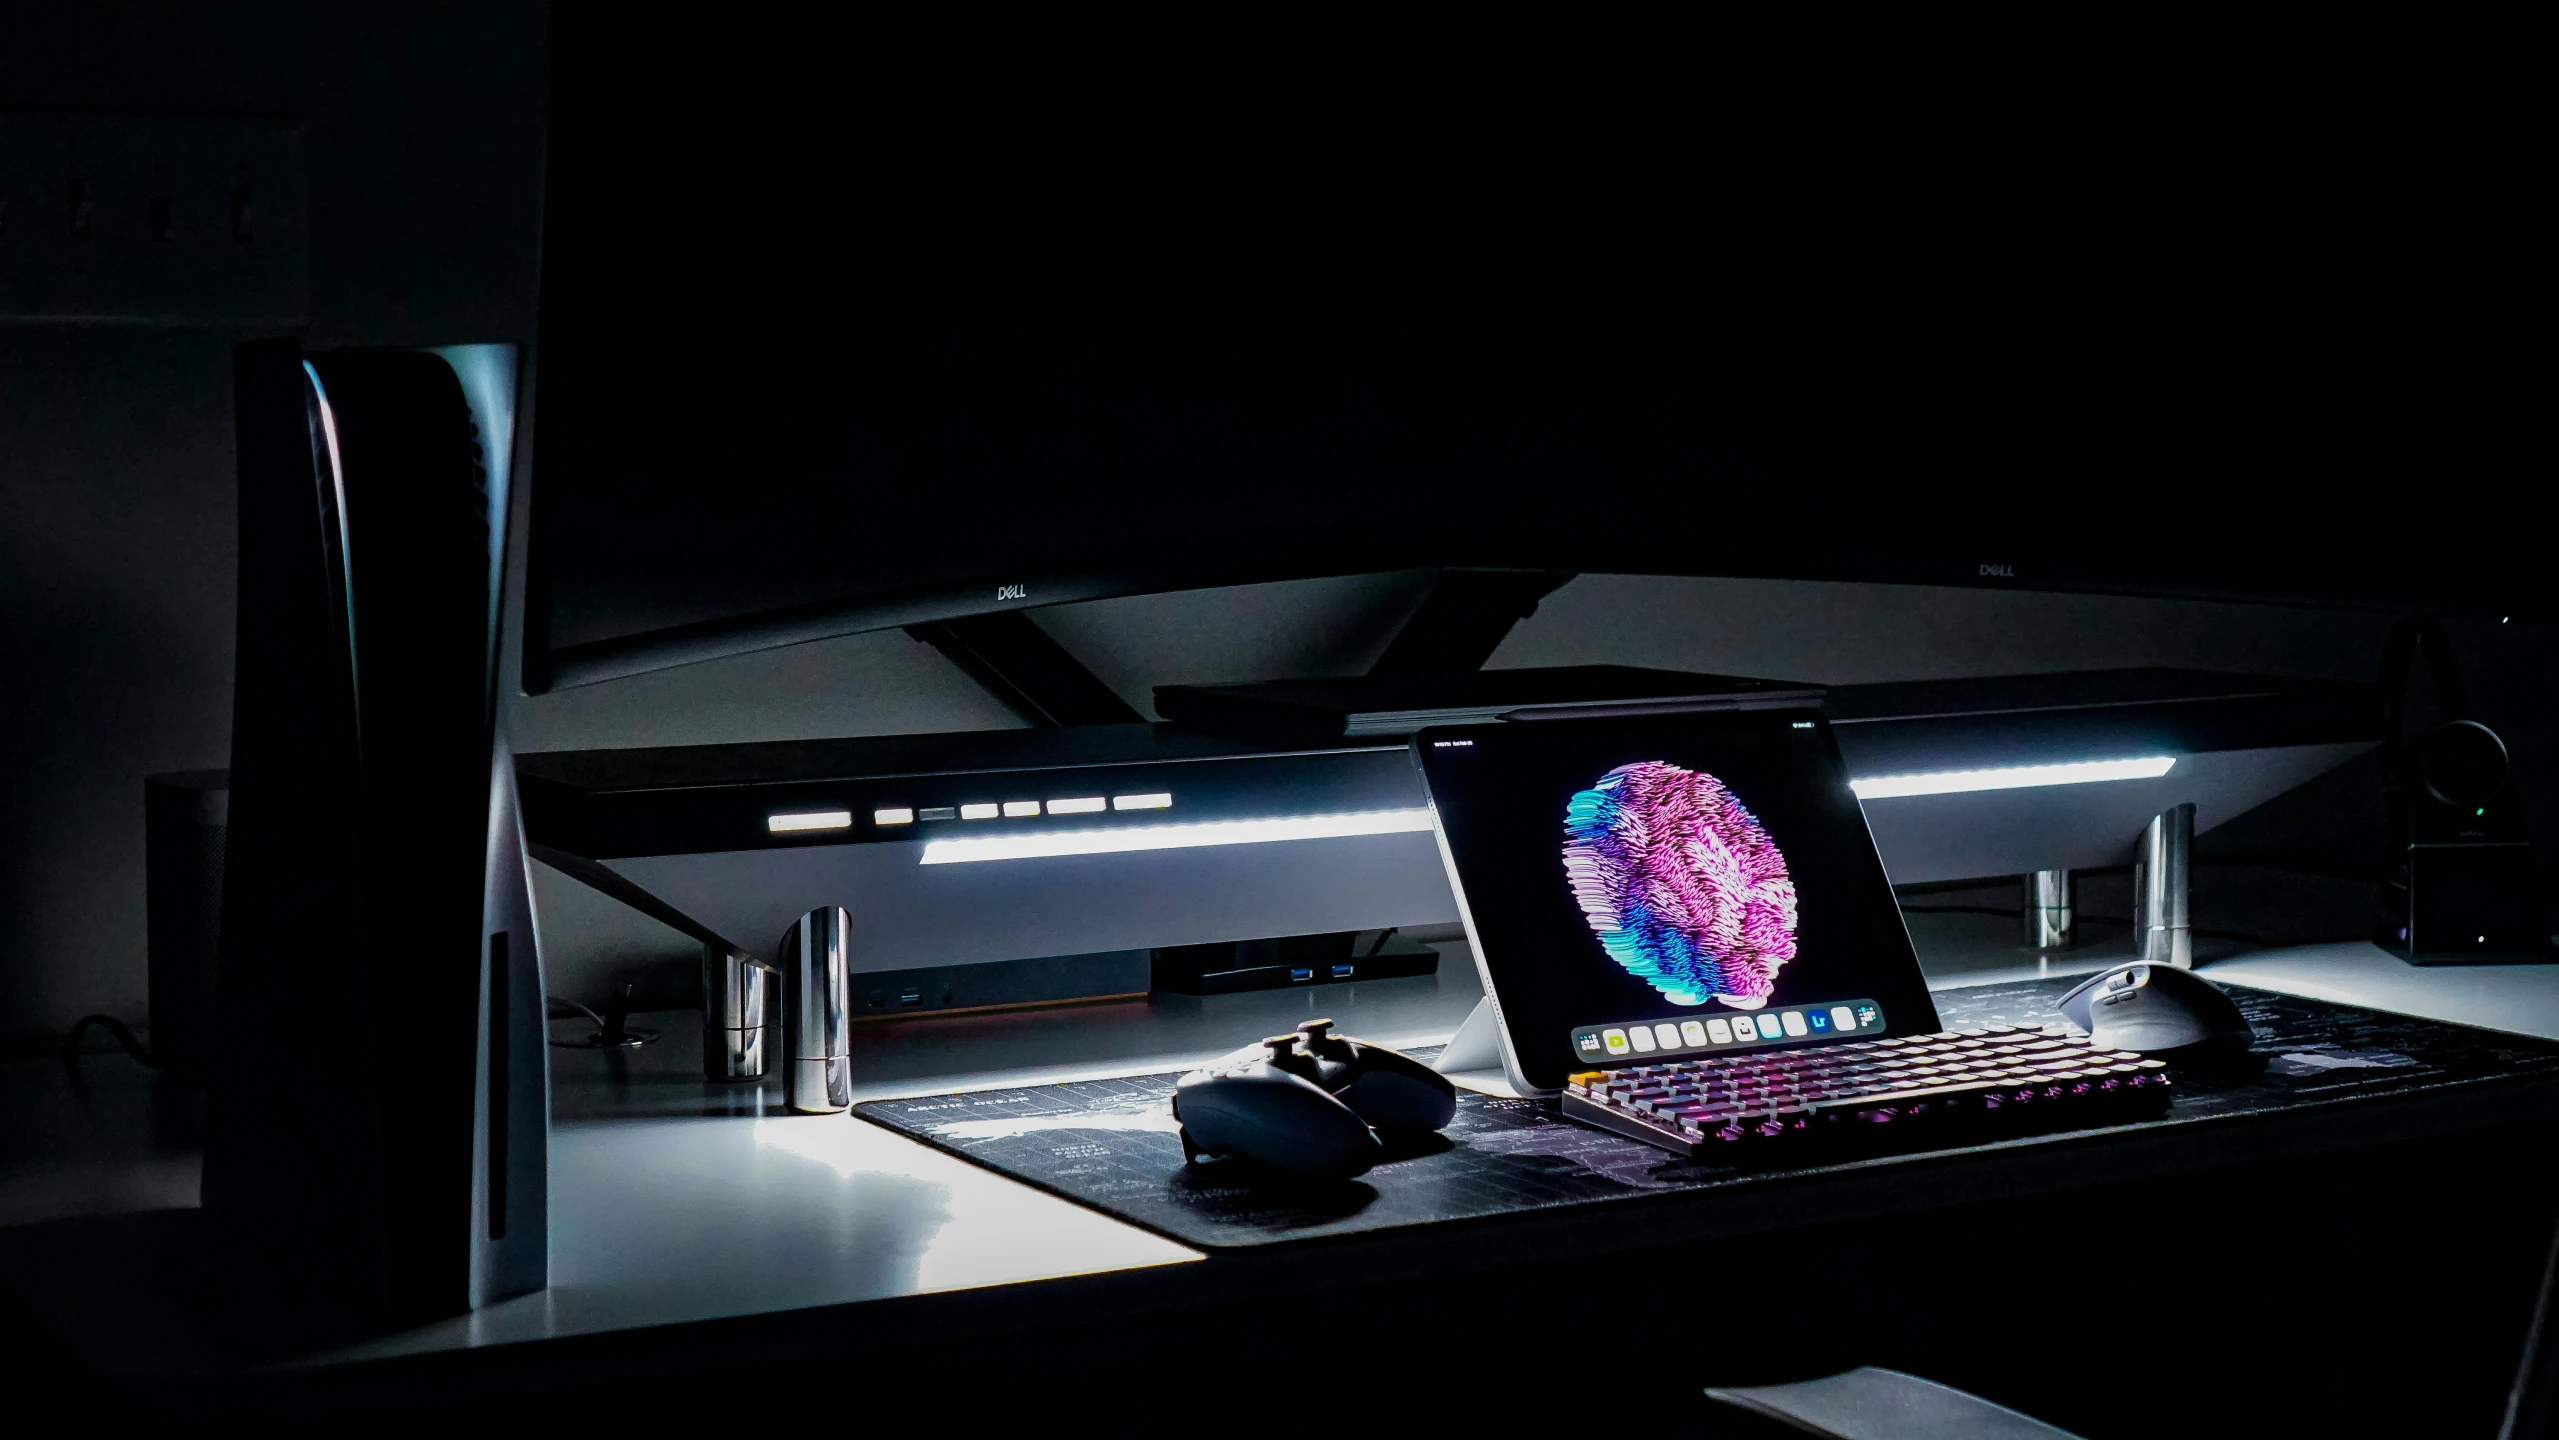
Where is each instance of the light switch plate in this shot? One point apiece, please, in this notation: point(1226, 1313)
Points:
point(153, 220)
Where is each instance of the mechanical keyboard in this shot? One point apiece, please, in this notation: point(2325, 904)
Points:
point(1900, 1093)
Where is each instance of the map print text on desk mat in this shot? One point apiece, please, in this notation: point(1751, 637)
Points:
point(1112, 1144)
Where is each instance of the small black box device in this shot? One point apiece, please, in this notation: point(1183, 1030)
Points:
point(2471, 892)
point(2465, 889)
point(1276, 964)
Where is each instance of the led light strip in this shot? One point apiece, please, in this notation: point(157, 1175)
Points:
point(2014, 777)
point(809, 820)
point(1174, 837)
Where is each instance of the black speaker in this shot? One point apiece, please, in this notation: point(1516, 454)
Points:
point(2465, 890)
point(186, 815)
point(375, 1151)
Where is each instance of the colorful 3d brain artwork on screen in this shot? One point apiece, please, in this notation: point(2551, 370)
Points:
point(1682, 885)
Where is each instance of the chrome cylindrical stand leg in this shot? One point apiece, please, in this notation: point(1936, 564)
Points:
point(816, 984)
point(732, 1015)
point(2163, 931)
point(2048, 910)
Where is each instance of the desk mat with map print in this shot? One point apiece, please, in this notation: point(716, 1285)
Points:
point(1112, 1144)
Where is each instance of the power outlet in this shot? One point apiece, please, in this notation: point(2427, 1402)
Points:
point(141, 220)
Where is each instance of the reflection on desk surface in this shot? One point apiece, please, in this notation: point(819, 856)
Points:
point(668, 1221)
point(930, 1054)
point(664, 1210)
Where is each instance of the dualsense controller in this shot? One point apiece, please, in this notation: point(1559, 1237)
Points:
point(1308, 1103)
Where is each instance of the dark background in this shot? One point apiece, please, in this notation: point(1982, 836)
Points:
point(2090, 244)
point(2084, 238)
point(422, 125)
point(1742, 290)
point(1501, 804)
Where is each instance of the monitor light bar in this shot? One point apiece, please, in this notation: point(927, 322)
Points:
point(1174, 837)
point(809, 820)
point(2013, 777)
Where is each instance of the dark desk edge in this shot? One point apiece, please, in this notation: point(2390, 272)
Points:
point(2025, 1168)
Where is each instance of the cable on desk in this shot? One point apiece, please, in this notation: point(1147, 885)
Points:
point(2272, 943)
point(572, 1004)
point(2280, 867)
point(114, 1027)
point(612, 1028)
point(1964, 910)
point(2268, 941)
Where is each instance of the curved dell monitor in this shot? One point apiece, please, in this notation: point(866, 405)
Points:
point(877, 317)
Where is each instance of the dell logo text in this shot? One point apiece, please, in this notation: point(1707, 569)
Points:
point(1012, 592)
point(2004, 572)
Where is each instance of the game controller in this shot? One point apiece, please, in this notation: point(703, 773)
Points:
point(1305, 1102)
point(1388, 1089)
point(1262, 1104)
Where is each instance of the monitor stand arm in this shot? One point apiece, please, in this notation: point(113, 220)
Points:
point(2163, 863)
point(1477, 1045)
point(733, 1014)
point(815, 971)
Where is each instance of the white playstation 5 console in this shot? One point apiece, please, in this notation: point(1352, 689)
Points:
point(376, 1149)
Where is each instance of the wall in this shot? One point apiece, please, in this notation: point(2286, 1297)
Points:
point(116, 580)
point(424, 126)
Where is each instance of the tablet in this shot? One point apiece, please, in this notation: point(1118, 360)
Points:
point(1662, 888)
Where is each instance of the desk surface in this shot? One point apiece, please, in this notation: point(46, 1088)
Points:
point(678, 1202)
point(2329, 1071)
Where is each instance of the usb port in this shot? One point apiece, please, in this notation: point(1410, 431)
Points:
point(1342, 972)
point(911, 997)
point(1302, 973)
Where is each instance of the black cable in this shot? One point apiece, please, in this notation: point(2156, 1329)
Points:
point(2278, 866)
point(123, 1037)
point(2268, 941)
point(2316, 872)
point(1992, 910)
point(572, 1004)
point(612, 1028)
point(1963, 910)
point(2272, 943)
